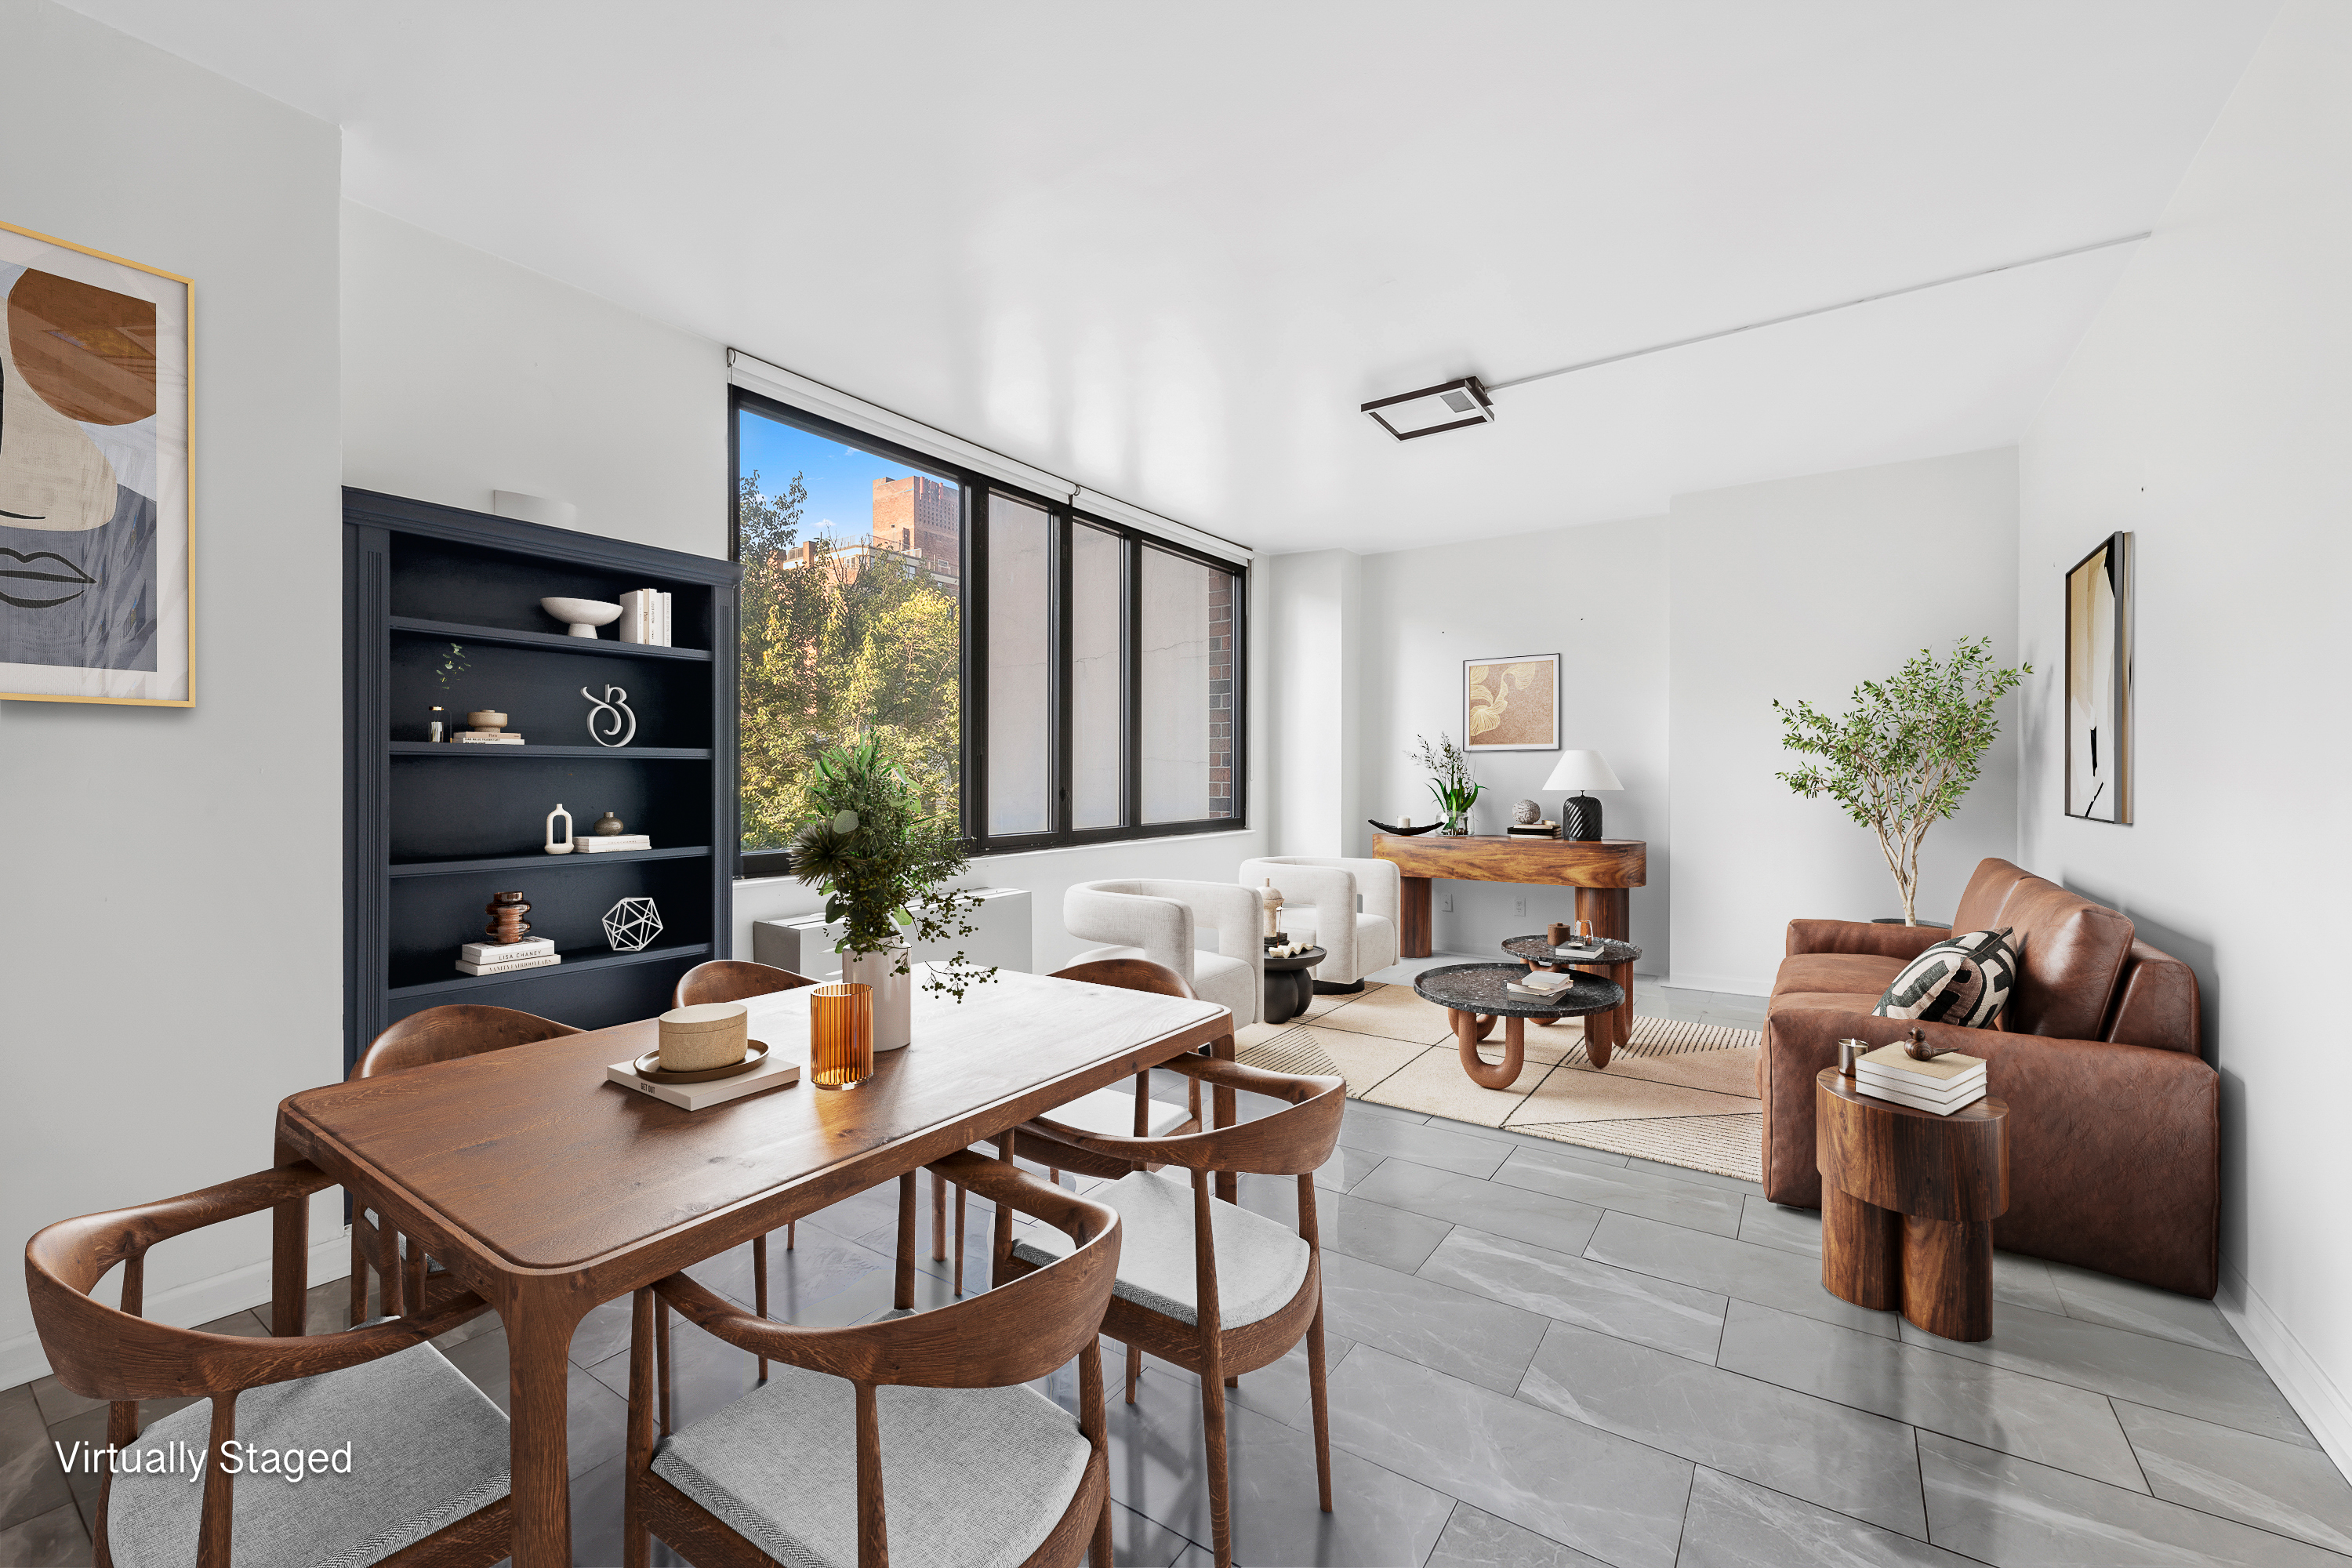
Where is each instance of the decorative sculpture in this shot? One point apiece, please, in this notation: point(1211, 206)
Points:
point(505, 911)
point(555, 846)
point(1271, 897)
point(613, 705)
point(632, 924)
point(1917, 1049)
point(1526, 814)
point(608, 825)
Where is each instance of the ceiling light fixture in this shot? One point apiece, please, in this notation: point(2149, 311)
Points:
point(1452, 406)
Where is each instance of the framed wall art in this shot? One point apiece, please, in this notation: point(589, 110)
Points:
point(96, 564)
point(2099, 683)
point(1511, 704)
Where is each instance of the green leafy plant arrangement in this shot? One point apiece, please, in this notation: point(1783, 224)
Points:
point(453, 664)
point(1455, 791)
point(1902, 756)
point(883, 861)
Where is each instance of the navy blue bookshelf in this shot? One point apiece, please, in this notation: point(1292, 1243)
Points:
point(432, 830)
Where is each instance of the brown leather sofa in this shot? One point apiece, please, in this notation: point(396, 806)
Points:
point(2114, 1116)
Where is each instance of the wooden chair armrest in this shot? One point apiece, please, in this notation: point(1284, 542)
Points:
point(1287, 1143)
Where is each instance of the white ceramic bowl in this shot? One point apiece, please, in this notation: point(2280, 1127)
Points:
point(582, 615)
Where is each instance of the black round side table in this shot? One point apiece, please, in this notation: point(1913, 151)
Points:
point(1475, 994)
point(1605, 1032)
point(1290, 985)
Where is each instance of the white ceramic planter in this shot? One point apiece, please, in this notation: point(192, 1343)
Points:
point(894, 994)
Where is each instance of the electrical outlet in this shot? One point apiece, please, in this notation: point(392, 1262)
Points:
point(1445, 905)
point(1519, 905)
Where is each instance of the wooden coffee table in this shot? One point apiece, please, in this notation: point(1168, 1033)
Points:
point(1908, 1199)
point(1474, 995)
point(1603, 1032)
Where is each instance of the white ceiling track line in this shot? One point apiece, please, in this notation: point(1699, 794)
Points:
point(750, 371)
point(1816, 311)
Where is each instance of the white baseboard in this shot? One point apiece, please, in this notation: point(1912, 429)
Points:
point(198, 1301)
point(1731, 984)
point(2316, 1397)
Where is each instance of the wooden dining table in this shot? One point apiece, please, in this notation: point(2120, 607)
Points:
point(549, 1191)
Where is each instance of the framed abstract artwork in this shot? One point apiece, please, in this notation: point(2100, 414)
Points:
point(1511, 704)
point(2099, 683)
point(96, 565)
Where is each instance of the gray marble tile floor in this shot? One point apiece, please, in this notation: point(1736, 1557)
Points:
point(1547, 1358)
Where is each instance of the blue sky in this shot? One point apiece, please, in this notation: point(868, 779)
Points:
point(840, 479)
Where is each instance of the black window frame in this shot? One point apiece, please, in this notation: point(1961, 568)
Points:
point(974, 490)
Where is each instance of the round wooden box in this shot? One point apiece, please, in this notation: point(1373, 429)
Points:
point(710, 1035)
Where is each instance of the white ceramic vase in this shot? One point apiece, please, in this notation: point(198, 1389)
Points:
point(894, 994)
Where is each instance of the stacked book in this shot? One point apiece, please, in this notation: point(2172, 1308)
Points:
point(1951, 1082)
point(488, 737)
point(605, 843)
point(505, 957)
point(1579, 952)
point(1540, 984)
point(644, 618)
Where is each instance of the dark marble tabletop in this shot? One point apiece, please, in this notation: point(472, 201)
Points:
point(1538, 950)
point(1479, 988)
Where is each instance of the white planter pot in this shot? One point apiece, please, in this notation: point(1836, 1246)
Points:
point(894, 994)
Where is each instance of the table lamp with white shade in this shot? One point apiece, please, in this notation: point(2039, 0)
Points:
point(1580, 814)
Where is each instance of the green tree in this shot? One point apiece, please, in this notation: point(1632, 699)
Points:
point(825, 660)
point(1902, 756)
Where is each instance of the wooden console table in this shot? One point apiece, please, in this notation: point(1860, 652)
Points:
point(1599, 869)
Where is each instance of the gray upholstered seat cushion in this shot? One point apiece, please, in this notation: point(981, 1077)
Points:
point(1111, 1112)
point(428, 1448)
point(1260, 1263)
point(971, 1478)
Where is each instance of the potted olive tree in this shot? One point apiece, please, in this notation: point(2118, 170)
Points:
point(1904, 751)
point(884, 862)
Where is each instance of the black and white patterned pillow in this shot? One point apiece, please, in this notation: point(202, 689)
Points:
point(1963, 980)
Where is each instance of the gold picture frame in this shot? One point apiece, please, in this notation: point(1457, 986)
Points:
point(1511, 704)
point(97, 513)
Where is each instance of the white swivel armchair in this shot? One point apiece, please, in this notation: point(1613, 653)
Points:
point(1159, 920)
point(1319, 906)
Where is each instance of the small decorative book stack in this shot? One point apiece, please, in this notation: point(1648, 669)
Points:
point(644, 618)
point(1950, 1082)
point(1540, 984)
point(487, 727)
point(501, 957)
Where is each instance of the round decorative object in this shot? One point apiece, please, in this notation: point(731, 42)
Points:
point(632, 924)
point(608, 825)
point(707, 1034)
point(1526, 814)
point(1406, 830)
point(649, 1067)
point(613, 710)
point(582, 617)
point(486, 719)
point(505, 911)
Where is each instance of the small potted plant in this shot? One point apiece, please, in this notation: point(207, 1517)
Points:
point(1451, 781)
point(884, 861)
point(1900, 759)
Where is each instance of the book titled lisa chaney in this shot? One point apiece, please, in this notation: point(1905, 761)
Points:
point(174, 1458)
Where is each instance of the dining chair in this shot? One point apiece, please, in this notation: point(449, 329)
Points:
point(1206, 1284)
point(982, 1472)
point(1106, 1110)
point(435, 1035)
point(423, 1481)
point(730, 980)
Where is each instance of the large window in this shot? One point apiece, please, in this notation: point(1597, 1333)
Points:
point(1048, 676)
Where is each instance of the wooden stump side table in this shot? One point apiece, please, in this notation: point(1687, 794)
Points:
point(1908, 1199)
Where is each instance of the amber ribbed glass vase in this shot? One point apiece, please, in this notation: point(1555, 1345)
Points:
point(841, 1036)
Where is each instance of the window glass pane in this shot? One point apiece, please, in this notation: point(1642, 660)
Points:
point(1186, 647)
point(850, 604)
point(1095, 677)
point(1020, 770)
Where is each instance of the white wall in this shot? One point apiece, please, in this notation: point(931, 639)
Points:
point(1597, 595)
point(2206, 412)
point(1315, 704)
point(1802, 588)
point(464, 374)
point(171, 913)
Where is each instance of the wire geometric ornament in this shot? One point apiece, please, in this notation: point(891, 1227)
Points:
point(631, 924)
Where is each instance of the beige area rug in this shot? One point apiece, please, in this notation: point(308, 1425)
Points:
point(1682, 1094)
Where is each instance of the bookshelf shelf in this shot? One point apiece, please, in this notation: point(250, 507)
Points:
point(428, 838)
point(548, 642)
point(574, 961)
point(543, 861)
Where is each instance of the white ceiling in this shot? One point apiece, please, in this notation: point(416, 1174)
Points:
point(1165, 251)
